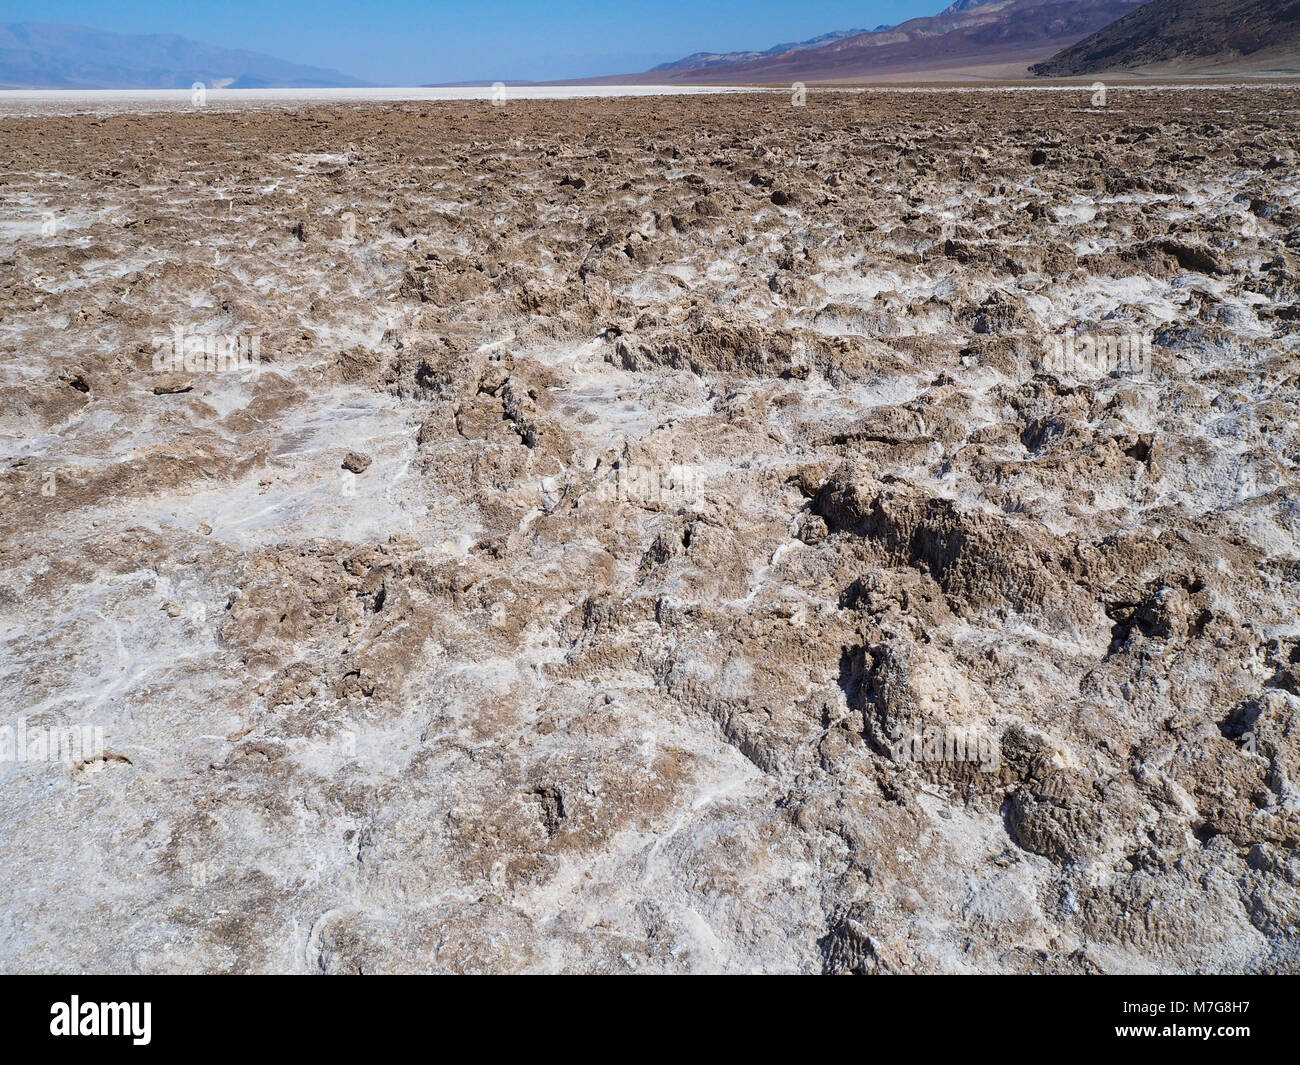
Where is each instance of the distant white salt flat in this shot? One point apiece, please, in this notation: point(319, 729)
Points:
point(111, 101)
point(41, 102)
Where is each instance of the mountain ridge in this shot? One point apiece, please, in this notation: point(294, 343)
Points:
point(1187, 33)
point(46, 55)
point(700, 59)
point(967, 32)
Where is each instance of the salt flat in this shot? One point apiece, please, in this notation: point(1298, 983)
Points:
point(638, 503)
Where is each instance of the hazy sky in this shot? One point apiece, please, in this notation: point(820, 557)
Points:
point(406, 42)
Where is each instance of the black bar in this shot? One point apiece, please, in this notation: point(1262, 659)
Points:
point(1037, 1015)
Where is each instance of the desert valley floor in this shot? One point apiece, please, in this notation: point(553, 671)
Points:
point(653, 535)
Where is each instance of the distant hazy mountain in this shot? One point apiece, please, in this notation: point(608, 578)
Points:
point(1189, 34)
point(39, 55)
point(969, 33)
point(702, 60)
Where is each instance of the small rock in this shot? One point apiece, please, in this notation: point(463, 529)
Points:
point(1190, 257)
point(171, 384)
point(1264, 209)
point(1037, 157)
point(357, 462)
point(780, 198)
point(813, 529)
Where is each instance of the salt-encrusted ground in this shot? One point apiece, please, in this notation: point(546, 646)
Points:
point(658, 536)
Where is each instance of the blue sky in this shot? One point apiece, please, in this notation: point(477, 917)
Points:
point(405, 42)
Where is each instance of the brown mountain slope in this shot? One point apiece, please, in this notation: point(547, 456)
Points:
point(1003, 31)
point(1192, 34)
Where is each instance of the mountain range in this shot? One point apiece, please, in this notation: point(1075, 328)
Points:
point(1008, 34)
point(38, 55)
point(969, 39)
point(711, 60)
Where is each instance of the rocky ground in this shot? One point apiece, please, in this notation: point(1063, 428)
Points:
point(619, 490)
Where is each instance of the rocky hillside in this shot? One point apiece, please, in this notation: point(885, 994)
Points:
point(1190, 34)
